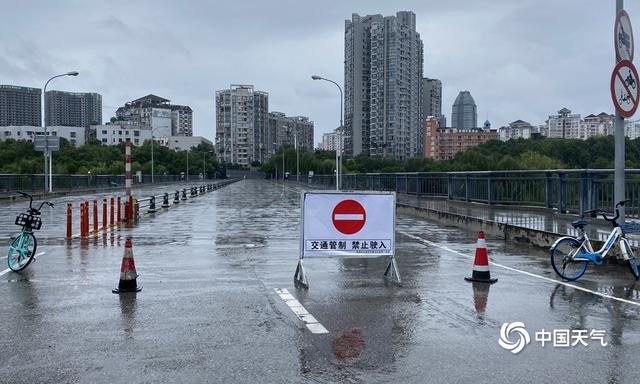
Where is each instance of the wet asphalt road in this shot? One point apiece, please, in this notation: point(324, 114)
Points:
point(208, 311)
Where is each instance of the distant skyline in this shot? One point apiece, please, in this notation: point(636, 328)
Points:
point(520, 60)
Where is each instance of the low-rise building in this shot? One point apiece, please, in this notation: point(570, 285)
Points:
point(445, 143)
point(119, 132)
point(518, 129)
point(183, 143)
point(75, 135)
point(597, 125)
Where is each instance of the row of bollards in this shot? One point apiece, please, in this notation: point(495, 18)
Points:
point(91, 225)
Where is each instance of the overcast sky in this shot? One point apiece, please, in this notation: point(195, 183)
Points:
point(520, 59)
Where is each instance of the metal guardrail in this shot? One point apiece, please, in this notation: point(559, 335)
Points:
point(35, 182)
point(563, 190)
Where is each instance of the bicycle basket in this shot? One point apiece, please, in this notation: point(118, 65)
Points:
point(29, 221)
point(631, 227)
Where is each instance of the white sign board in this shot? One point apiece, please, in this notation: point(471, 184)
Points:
point(624, 88)
point(338, 224)
point(623, 37)
point(51, 142)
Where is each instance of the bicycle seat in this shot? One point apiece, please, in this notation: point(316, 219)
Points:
point(579, 224)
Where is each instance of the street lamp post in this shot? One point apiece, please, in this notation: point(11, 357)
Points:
point(153, 129)
point(295, 144)
point(48, 181)
point(276, 164)
point(339, 144)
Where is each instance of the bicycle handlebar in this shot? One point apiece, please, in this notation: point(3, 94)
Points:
point(31, 209)
point(595, 212)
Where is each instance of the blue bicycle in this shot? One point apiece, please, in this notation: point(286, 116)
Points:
point(23, 248)
point(570, 255)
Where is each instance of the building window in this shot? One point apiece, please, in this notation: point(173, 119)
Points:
point(120, 140)
point(136, 133)
point(104, 131)
point(72, 135)
point(136, 141)
point(104, 140)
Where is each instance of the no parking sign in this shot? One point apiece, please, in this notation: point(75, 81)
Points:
point(347, 224)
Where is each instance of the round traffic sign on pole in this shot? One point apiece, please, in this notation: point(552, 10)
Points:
point(624, 88)
point(348, 217)
point(623, 37)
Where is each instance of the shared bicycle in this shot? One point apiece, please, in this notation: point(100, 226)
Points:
point(571, 255)
point(23, 249)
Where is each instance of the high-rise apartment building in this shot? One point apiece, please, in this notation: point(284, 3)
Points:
point(285, 130)
point(156, 113)
point(333, 140)
point(20, 106)
point(73, 109)
point(432, 97)
point(464, 114)
point(242, 119)
point(383, 86)
point(181, 120)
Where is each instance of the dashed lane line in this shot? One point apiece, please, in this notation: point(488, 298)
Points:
point(34, 257)
point(312, 324)
point(431, 243)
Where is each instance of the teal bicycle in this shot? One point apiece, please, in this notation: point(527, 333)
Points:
point(570, 255)
point(23, 249)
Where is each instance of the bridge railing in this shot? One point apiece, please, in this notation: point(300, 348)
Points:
point(563, 190)
point(35, 182)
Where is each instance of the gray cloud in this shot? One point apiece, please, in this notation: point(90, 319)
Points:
point(520, 59)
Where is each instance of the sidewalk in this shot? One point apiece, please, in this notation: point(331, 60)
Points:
point(528, 218)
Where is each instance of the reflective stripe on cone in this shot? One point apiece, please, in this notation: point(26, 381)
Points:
point(481, 272)
point(128, 273)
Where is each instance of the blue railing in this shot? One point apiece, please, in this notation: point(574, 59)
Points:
point(563, 190)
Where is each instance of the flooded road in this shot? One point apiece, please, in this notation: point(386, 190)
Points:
point(214, 271)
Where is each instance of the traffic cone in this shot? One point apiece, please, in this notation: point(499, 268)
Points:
point(128, 273)
point(481, 272)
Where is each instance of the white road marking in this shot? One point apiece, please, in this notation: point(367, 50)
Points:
point(431, 243)
point(34, 257)
point(312, 324)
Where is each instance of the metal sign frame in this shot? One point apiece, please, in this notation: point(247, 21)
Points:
point(614, 97)
point(391, 271)
point(622, 15)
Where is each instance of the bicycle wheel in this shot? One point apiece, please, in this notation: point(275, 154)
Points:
point(562, 259)
point(21, 251)
point(633, 261)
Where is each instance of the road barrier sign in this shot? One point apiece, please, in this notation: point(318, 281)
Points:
point(624, 88)
point(347, 224)
point(623, 37)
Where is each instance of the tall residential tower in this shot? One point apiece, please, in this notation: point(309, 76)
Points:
point(383, 86)
point(242, 119)
point(73, 109)
point(20, 106)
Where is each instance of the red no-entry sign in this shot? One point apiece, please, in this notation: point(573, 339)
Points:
point(349, 217)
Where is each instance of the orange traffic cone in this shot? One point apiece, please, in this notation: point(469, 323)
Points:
point(481, 272)
point(128, 273)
